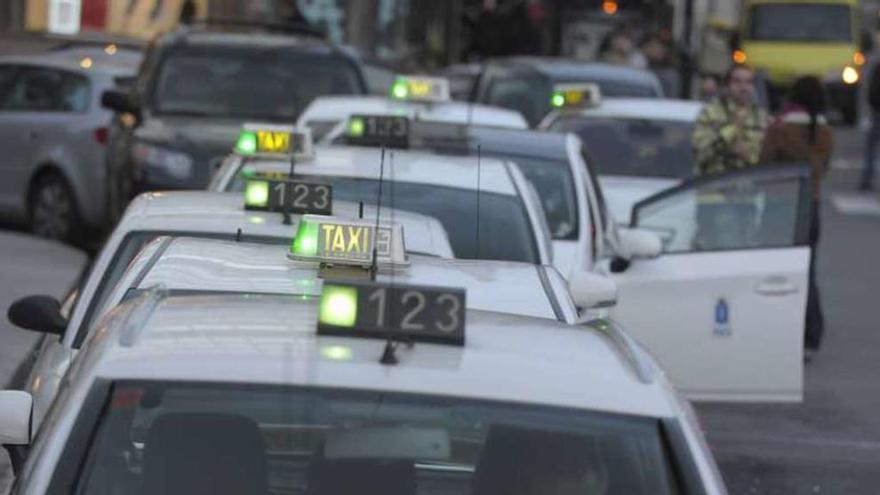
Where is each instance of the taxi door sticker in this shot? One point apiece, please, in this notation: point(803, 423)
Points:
point(722, 319)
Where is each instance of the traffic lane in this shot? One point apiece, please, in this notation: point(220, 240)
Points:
point(831, 442)
point(29, 265)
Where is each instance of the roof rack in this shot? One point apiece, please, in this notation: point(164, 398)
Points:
point(271, 27)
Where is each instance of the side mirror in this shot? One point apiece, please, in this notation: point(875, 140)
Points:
point(635, 244)
point(16, 408)
point(591, 290)
point(37, 313)
point(119, 101)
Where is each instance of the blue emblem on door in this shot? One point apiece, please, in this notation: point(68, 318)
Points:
point(722, 318)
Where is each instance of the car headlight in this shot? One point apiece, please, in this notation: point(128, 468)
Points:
point(848, 75)
point(173, 163)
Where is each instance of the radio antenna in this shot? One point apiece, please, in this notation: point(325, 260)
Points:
point(479, 176)
point(375, 264)
point(286, 199)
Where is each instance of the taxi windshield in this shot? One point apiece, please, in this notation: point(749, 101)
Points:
point(270, 85)
point(634, 147)
point(216, 438)
point(815, 22)
point(505, 231)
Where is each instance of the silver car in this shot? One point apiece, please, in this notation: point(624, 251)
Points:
point(53, 135)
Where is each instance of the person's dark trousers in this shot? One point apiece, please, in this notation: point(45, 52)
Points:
point(815, 321)
point(872, 139)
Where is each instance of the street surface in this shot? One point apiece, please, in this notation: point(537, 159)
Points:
point(828, 444)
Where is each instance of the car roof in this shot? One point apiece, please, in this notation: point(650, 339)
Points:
point(221, 212)
point(65, 61)
point(663, 109)
point(411, 166)
point(341, 107)
point(570, 70)
point(272, 340)
point(190, 264)
point(203, 38)
point(546, 145)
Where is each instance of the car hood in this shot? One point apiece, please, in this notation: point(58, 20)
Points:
point(622, 193)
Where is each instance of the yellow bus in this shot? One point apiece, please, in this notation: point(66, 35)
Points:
point(791, 38)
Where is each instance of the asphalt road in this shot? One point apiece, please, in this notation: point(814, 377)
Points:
point(828, 444)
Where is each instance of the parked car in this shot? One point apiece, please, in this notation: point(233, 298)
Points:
point(53, 133)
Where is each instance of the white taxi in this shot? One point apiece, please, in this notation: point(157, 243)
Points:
point(717, 314)
point(416, 97)
point(328, 394)
point(487, 207)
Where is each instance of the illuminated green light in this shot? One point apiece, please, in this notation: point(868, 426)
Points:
point(338, 306)
point(356, 127)
point(247, 143)
point(306, 241)
point(256, 193)
point(248, 172)
point(558, 100)
point(400, 90)
point(336, 352)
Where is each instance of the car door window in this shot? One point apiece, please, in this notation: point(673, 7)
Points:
point(48, 90)
point(7, 75)
point(765, 207)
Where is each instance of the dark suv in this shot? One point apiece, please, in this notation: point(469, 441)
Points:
point(195, 89)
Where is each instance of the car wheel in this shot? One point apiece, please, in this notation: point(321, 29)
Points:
point(53, 211)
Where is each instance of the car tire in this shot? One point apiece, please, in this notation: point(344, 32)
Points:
point(52, 209)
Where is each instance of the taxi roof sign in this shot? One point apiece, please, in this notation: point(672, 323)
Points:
point(420, 88)
point(378, 130)
point(273, 140)
point(333, 240)
point(577, 95)
point(392, 311)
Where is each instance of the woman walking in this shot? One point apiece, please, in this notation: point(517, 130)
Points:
point(801, 133)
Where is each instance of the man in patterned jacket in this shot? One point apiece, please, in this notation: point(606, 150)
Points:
point(730, 129)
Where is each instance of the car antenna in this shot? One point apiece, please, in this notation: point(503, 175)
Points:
point(360, 210)
point(286, 199)
point(375, 261)
point(479, 177)
point(389, 356)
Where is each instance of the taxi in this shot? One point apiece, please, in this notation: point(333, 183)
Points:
point(416, 97)
point(190, 265)
point(368, 387)
point(639, 146)
point(487, 207)
point(715, 314)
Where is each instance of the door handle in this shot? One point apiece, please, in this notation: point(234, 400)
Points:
point(775, 286)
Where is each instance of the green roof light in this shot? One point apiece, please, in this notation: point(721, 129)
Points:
point(558, 100)
point(356, 127)
point(338, 306)
point(306, 241)
point(256, 193)
point(247, 143)
point(400, 90)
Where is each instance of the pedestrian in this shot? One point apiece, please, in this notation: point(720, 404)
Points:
point(873, 136)
point(620, 49)
point(727, 136)
point(730, 128)
point(801, 133)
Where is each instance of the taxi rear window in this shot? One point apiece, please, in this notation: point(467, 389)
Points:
point(505, 230)
point(214, 438)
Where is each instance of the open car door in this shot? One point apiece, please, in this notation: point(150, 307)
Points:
point(723, 307)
